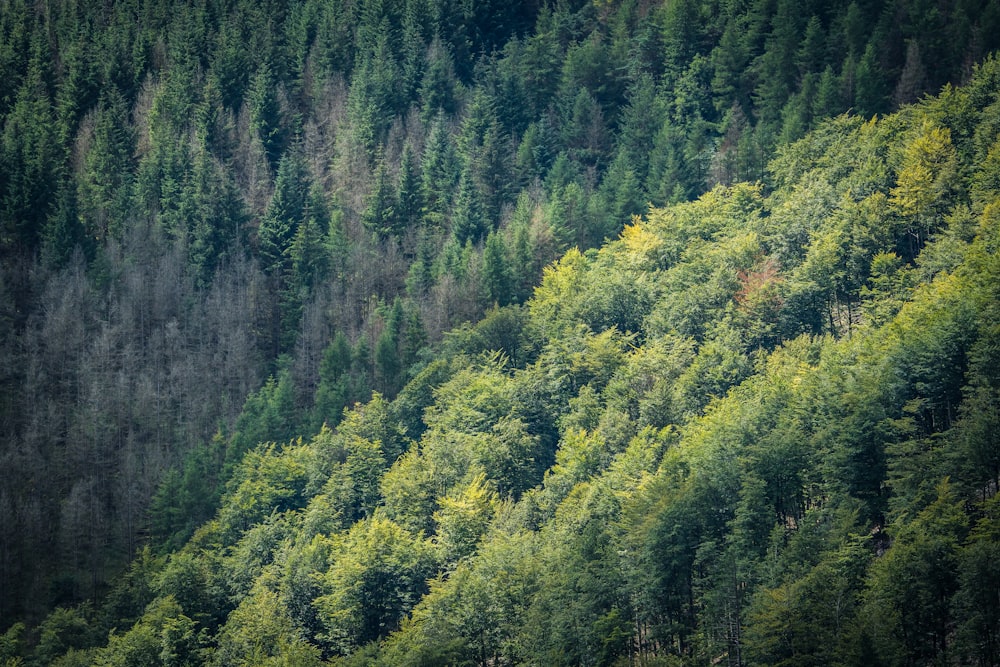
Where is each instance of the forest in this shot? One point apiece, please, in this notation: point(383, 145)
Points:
point(555, 332)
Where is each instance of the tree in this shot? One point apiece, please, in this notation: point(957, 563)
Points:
point(977, 618)
point(29, 156)
point(379, 216)
point(62, 630)
point(437, 88)
point(285, 212)
point(105, 190)
point(265, 113)
point(376, 576)
point(260, 632)
point(439, 173)
point(409, 201)
point(388, 363)
point(468, 223)
point(496, 270)
point(870, 96)
point(310, 253)
point(679, 30)
point(372, 99)
point(217, 216)
point(909, 598)
point(63, 234)
point(163, 636)
point(334, 391)
point(927, 175)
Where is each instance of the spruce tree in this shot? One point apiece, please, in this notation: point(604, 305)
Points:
point(468, 223)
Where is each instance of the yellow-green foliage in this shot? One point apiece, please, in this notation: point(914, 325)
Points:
point(759, 426)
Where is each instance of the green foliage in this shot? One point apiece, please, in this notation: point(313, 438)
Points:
point(265, 119)
point(912, 586)
point(268, 416)
point(63, 630)
point(163, 636)
point(268, 480)
point(756, 426)
point(30, 158)
point(285, 212)
point(376, 576)
point(379, 215)
point(259, 632)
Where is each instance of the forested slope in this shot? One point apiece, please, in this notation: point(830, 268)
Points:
point(757, 428)
point(739, 432)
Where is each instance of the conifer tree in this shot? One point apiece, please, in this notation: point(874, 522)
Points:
point(265, 114)
point(409, 201)
point(468, 222)
point(310, 254)
point(28, 162)
point(496, 270)
point(379, 216)
point(284, 213)
point(439, 173)
point(63, 233)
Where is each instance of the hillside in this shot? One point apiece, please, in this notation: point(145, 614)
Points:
point(329, 334)
point(757, 428)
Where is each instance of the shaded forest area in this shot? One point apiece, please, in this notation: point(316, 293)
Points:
point(738, 432)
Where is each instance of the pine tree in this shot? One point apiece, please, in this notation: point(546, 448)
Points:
point(372, 100)
point(467, 221)
point(309, 253)
point(388, 363)
point(216, 216)
point(28, 163)
point(63, 233)
point(437, 89)
point(439, 173)
point(870, 94)
point(379, 216)
point(265, 114)
point(420, 279)
point(334, 391)
point(284, 213)
point(497, 282)
point(408, 195)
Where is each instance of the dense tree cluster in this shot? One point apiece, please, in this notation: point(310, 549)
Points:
point(328, 333)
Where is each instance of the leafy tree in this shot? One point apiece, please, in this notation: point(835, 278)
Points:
point(163, 636)
point(463, 519)
point(63, 630)
point(377, 575)
point(927, 173)
point(912, 586)
point(260, 632)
